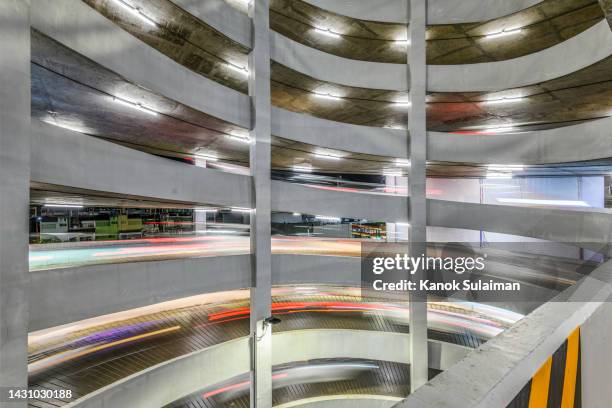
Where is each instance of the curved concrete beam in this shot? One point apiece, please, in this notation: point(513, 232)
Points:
point(292, 197)
point(64, 295)
point(291, 269)
point(438, 11)
point(591, 227)
point(232, 358)
point(222, 17)
point(66, 158)
point(330, 68)
point(344, 401)
point(573, 54)
point(559, 145)
point(188, 374)
point(61, 296)
point(339, 136)
point(84, 30)
point(507, 362)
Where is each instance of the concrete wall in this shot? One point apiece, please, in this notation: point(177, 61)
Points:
point(231, 358)
point(336, 135)
point(438, 11)
point(62, 296)
point(573, 54)
point(494, 374)
point(67, 158)
point(292, 197)
point(14, 193)
point(596, 358)
point(344, 401)
point(222, 17)
point(331, 68)
point(559, 145)
point(590, 227)
point(83, 29)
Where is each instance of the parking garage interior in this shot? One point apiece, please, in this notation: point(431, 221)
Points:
point(189, 189)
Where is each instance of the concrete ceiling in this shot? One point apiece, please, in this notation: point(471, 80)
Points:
point(71, 91)
point(544, 25)
point(47, 193)
point(183, 38)
point(606, 6)
point(576, 97)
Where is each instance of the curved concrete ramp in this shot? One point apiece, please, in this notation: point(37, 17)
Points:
point(177, 378)
point(438, 11)
point(574, 54)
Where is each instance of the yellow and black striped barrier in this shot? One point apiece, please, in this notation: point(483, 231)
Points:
point(557, 383)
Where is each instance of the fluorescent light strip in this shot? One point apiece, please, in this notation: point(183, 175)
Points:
point(402, 162)
point(206, 210)
point(504, 33)
point(238, 68)
point(563, 203)
point(239, 138)
point(500, 129)
point(241, 210)
point(327, 32)
point(504, 100)
point(302, 169)
point(62, 206)
point(326, 156)
point(136, 12)
point(327, 96)
point(326, 218)
point(135, 106)
point(402, 104)
point(297, 214)
point(505, 167)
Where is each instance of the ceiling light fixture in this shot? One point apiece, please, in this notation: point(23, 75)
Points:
point(238, 68)
point(504, 33)
point(296, 214)
point(504, 100)
point(501, 129)
point(302, 168)
point(326, 156)
point(238, 137)
point(135, 106)
point(136, 12)
point(402, 162)
point(327, 32)
point(402, 104)
point(241, 210)
point(505, 167)
point(327, 218)
point(62, 206)
point(327, 96)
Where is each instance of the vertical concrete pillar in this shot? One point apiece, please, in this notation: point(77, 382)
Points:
point(14, 192)
point(261, 292)
point(417, 125)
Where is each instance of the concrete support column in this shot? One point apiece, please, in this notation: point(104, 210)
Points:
point(14, 193)
point(261, 292)
point(417, 125)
